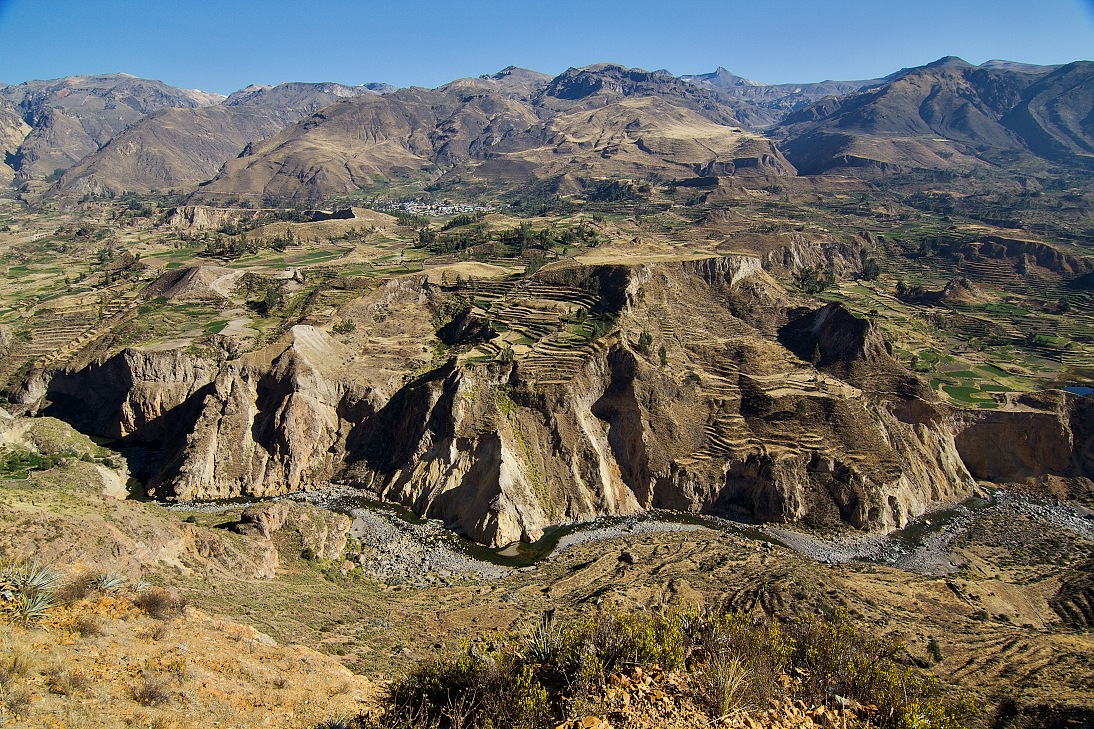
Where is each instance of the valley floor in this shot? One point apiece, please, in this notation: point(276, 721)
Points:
point(1009, 622)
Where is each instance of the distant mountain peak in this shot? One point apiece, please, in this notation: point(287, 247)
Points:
point(578, 83)
point(516, 72)
point(949, 62)
point(1005, 65)
point(723, 78)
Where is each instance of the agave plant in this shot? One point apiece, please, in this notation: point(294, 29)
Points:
point(338, 722)
point(28, 588)
point(108, 582)
point(544, 642)
point(35, 605)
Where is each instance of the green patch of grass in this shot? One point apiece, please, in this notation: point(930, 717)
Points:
point(18, 464)
point(216, 327)
point(317, 257)
point(159, 322)
point(967, 394)
point(962, 375)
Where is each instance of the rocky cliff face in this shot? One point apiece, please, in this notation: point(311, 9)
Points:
point(1045, 434)
point(202, 217)
point(140, 395)
point(701, 398)
point(264, 433)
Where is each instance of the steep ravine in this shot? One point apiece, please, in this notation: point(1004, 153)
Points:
point(728, 420)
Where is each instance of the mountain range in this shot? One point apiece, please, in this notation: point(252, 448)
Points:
point(109, 134)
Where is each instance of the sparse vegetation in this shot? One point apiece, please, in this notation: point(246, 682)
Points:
point(1017, 319)
point(19, 463)
point(67, 681)
point(345, 326)
point(728, 661)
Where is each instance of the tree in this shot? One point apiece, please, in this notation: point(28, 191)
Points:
point(870, 269)
point(813, 280)
point(816, 355)
point(426, 236)
point(271, 300)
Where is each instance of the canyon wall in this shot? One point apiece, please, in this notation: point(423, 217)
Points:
point(702, 397)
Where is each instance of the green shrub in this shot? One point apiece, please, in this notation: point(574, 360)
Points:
point(764, 651)
point(344, 327)
point(935, 649)
point(480, 687)
point(544, 643)
point(726, 661)
point(837, 658)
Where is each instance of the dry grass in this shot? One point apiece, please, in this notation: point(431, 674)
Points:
point(722, 686)
point(151, 689)
point(47, 671)
point(87, 626)
point(67, 681)
point(160, 604)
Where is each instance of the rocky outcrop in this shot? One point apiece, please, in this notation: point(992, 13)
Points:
point(194, 283)
point(264, 431)
point(1041, 434)
point(851, 348)
point(1025, 254)
point(493, 460)
point(962, 291)
point(844, 336)
point(93, 523)
point(315, 530)
point(202, 217)
point(801, 255)
point(467, 327)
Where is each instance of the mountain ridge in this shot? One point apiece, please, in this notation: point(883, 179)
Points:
point(518, 125)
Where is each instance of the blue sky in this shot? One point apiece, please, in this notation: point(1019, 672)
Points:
point(223, 45)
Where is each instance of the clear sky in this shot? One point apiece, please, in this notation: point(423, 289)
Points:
point(223, 45)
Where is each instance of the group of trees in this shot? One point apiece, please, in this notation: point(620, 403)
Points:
point(221, 245)
point(814, 280)
point(474, 238)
